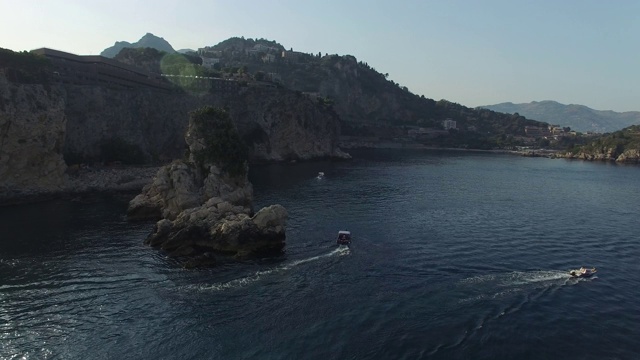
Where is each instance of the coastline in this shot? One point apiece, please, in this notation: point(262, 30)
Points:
point(416, 146)
point(120, 179)
point(86, 181)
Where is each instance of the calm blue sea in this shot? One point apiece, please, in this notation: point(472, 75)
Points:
point(455, 255)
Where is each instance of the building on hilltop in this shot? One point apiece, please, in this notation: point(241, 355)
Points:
point(293, 56)
point(98, 70)
point(207, 51)
point(449, 124)
point(265, 48)
point(209, 62)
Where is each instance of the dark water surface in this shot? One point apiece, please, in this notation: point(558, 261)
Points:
point(455, 256)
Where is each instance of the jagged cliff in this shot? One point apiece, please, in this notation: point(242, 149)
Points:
point(46, 127)
point(276, 124)
point(32, 134)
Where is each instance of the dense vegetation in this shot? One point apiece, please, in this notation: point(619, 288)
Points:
point(619, 141)
point(223, 145)
point(382, 108)
point(25, 67)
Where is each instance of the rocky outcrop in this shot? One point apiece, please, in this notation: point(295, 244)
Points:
point(604, 154)
point(52, 130)
point(205, 207)
point(32, 133)
point(41, 125)
point(220, 228)
point(180, 186)
point(629, 156)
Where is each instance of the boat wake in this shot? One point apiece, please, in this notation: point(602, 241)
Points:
point(244, 281)
point(508, 292)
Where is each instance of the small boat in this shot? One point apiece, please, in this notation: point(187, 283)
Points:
point(344, 237)
point(583, 272)
point(320, 175)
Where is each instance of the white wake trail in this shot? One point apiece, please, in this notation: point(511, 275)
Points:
point(340, 251)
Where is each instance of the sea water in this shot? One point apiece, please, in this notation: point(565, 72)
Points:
point(455, 255)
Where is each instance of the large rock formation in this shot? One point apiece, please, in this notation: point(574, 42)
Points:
point(39, 125)
point(206, 201)
point(32, 132)
point(48, 128)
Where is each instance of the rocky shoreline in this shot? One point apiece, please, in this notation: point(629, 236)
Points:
point(203, 204)
point(86, 181)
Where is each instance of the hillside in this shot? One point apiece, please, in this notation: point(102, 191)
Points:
point(577, 117)
point(147, 41)
point(620, 146)
point(368, 103)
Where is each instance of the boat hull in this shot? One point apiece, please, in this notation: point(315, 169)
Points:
point(579, 274)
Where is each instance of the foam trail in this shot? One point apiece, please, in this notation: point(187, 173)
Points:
point(340, 251)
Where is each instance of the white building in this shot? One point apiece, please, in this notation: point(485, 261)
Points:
point(449, 124)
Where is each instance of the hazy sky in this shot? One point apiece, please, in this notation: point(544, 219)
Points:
point(473, 52)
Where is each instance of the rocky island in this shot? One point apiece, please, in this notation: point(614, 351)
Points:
point(205, 201)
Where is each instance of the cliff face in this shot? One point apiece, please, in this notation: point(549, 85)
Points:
point(103, 123)
point(280, 124)
point(277, 124)
point(44, 126)
point(32, 134)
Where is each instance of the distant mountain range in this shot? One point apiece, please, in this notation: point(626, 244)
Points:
point(577, 117)
point(147, 41)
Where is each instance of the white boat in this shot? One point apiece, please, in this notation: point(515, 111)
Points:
point(344, 237)
point(583, 272)
point(320, 175)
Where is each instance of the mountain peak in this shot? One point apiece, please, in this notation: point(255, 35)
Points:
point(148, 40)
point(577, 117)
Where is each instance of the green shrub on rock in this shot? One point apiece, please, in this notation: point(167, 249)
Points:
point(222, 143)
